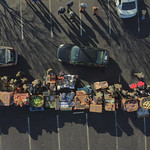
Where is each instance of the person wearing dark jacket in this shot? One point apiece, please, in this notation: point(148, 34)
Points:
point(69, 5)
point(61, 10)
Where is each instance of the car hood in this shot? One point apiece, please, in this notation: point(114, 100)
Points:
point(63, 52)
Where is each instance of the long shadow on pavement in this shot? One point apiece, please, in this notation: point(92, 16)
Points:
point(96, 27)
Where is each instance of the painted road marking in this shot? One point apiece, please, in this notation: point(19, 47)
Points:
point(138, 20)
point(21, 21)
point(138, 24)
point(80, 21)
point(109, 23)
point(80, 112)
point(87, 131)
point(116, 130)
point(145, 138)
point(0, 139)
point(29, 133)
point(51, 27)
point(57, 117)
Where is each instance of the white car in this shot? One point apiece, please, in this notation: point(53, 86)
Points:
point(126, 8)
point(8, 56)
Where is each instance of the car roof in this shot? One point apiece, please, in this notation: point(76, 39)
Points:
point(88, 55)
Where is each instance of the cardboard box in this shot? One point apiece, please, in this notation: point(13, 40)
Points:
point(6, 98)
point(95, 108)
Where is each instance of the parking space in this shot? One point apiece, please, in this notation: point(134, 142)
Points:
point(130, 131)
point(43, 131)
point(73, 131)
point(13, 125)
point(102, 131)
point(147, 132)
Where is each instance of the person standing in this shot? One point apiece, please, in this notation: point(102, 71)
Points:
point(61, 10)
point(71, 16)
point(69, 5)
point(83, 6)
point(95, 11)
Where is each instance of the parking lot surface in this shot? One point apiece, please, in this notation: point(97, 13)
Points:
point(36, 31)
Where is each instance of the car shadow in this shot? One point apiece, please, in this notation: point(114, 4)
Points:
point(93, 74)
point(22, 66)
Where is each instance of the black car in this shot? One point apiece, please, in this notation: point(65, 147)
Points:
point(89, 56)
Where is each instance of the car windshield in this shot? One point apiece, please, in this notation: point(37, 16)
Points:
point(128, 5)
point(10, 56)
point(100, 57)
point(75, 53)
point(2, 56)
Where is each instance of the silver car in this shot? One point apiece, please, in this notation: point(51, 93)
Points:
point(126, 8)
point(8, 56)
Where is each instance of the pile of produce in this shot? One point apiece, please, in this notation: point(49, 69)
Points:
point(37, 101)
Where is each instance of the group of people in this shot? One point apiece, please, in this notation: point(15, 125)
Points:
point(62, 10)
point(82, 9)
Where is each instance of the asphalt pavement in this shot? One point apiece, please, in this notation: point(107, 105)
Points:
point(36, 31)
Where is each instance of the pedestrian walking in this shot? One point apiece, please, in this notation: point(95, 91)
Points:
point(83, 6)
point(61, 10)
point(69, 5)
point(95, 11)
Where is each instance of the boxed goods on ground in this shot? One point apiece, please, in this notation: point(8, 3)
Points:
point(6, 98)
point(142, 113)
point(145, 102)
point(130, 104)
point(66, 81)
point(81, 100)
point(36, 101)
point(95, 108)
point(21, 99)
point(109, 102)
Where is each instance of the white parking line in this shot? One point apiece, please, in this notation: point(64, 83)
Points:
point(80, 112)
point(80, 21)
point(21, 22)
point(0, 139)
point(138, 21)
point(145, 138)
point(57, 117)
point(116, 130)
point(109, 23)
point(138, 24)
point(87, 131)
point(29, 133)
point(50, 9)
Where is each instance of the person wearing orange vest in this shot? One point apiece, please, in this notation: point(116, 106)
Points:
point(95, 11)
